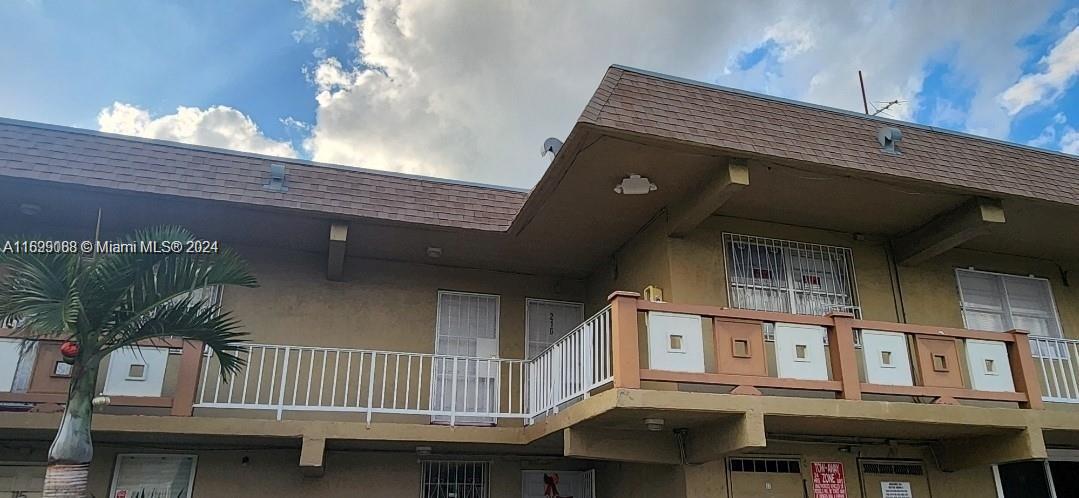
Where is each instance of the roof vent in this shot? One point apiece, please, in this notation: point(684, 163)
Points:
point(277, 179)
point(889, 138)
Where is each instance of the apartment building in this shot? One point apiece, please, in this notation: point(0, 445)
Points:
point(709, 293)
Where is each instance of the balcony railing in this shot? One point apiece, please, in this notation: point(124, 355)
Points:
point(448, 389)
point(818, 353)
point(1058, 365)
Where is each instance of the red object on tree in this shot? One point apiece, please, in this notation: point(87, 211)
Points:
point(69, 350)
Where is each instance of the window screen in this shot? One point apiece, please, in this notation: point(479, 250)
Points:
point(153, 475)
point(792, 277)
point(993, 301)
point(454, 479)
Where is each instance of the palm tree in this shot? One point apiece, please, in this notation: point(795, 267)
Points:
point(107, 301)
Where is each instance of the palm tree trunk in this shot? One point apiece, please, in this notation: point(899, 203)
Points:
point(68, 472)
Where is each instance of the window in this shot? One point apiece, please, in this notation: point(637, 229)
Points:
point(998, 302)
point(138, 475)
point(454, 479)
point(791, 277)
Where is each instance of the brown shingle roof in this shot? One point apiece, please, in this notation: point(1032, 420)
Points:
point(66, 155)
point(647, 103)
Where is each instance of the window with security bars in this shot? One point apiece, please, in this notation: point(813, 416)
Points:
point(454, 479)
point(893, 468)
point(772, 465)
point(766, 274)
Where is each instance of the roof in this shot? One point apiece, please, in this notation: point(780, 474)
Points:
point(74, 156)
point(642, 102)
point(628, 100)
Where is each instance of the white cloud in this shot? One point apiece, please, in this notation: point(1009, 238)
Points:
point(1060, 66)
point(216, 126)
point(470, 89)
point(324, 10)
point(1069, 143)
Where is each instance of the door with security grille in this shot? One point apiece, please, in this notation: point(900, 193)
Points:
point(893, 479)
point(464, 377)
point(760, 477)
point(454, 479)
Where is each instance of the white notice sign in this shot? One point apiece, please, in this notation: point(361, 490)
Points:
point(895, 489)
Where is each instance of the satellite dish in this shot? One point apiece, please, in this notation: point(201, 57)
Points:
point(552, 145)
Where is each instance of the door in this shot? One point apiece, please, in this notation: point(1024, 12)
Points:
point(548, 321)
point(465, 384)
point(1028, 479)
point(545, 323)
point(10, 353)
point(765, 477)
point(557, 484)
point(893, 479)
point(22, 481)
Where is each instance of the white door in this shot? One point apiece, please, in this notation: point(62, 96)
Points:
point(10, 352)
point(465, 385)
point(558, 483)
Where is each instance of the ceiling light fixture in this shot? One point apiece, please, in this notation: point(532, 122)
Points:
point(654, 424)
point(635, 185)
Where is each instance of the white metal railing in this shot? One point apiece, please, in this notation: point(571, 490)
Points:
point(572, 366)
point(1058, 364)
point(450, 389)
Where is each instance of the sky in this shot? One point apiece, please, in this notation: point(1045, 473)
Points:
point(469, 89)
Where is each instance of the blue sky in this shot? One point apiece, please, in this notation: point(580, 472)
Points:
point(470, 89)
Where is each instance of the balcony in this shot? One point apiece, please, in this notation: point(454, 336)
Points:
point(629, 344)
point(754, 352)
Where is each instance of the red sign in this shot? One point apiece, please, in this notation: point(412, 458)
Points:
point(828, 481)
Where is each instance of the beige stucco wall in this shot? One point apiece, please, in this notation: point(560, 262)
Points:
point(383, 305)
point(695, 272)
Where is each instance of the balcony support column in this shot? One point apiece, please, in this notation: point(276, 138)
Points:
point(844, 358)
point(312, 452)
point(625, 347)
point(188, 379)
point(1021, 360)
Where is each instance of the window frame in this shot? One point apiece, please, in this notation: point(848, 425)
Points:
point(190, 480)
point(1057, 330)
point(788, 287)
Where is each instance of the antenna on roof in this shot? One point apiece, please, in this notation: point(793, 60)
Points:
point(865, 102)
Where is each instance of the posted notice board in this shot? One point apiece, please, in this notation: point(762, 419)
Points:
point(828, 480)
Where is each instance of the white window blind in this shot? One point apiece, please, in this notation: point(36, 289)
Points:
point(998, 302)
point(156, 475)
point(791, 277)
point(454, 479)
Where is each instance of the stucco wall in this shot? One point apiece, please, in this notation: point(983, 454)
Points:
point(382, 305)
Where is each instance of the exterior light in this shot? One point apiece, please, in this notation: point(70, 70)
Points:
point(29, 209)
point(434, 252)
point(654, 424)
point(635, 185)
point(423, 450)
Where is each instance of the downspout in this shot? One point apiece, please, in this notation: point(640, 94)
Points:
point(897, 285)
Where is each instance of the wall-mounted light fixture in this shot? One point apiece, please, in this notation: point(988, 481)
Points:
point(635, 185)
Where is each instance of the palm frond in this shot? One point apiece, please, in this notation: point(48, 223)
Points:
point(188, 320)
point(41, 292)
